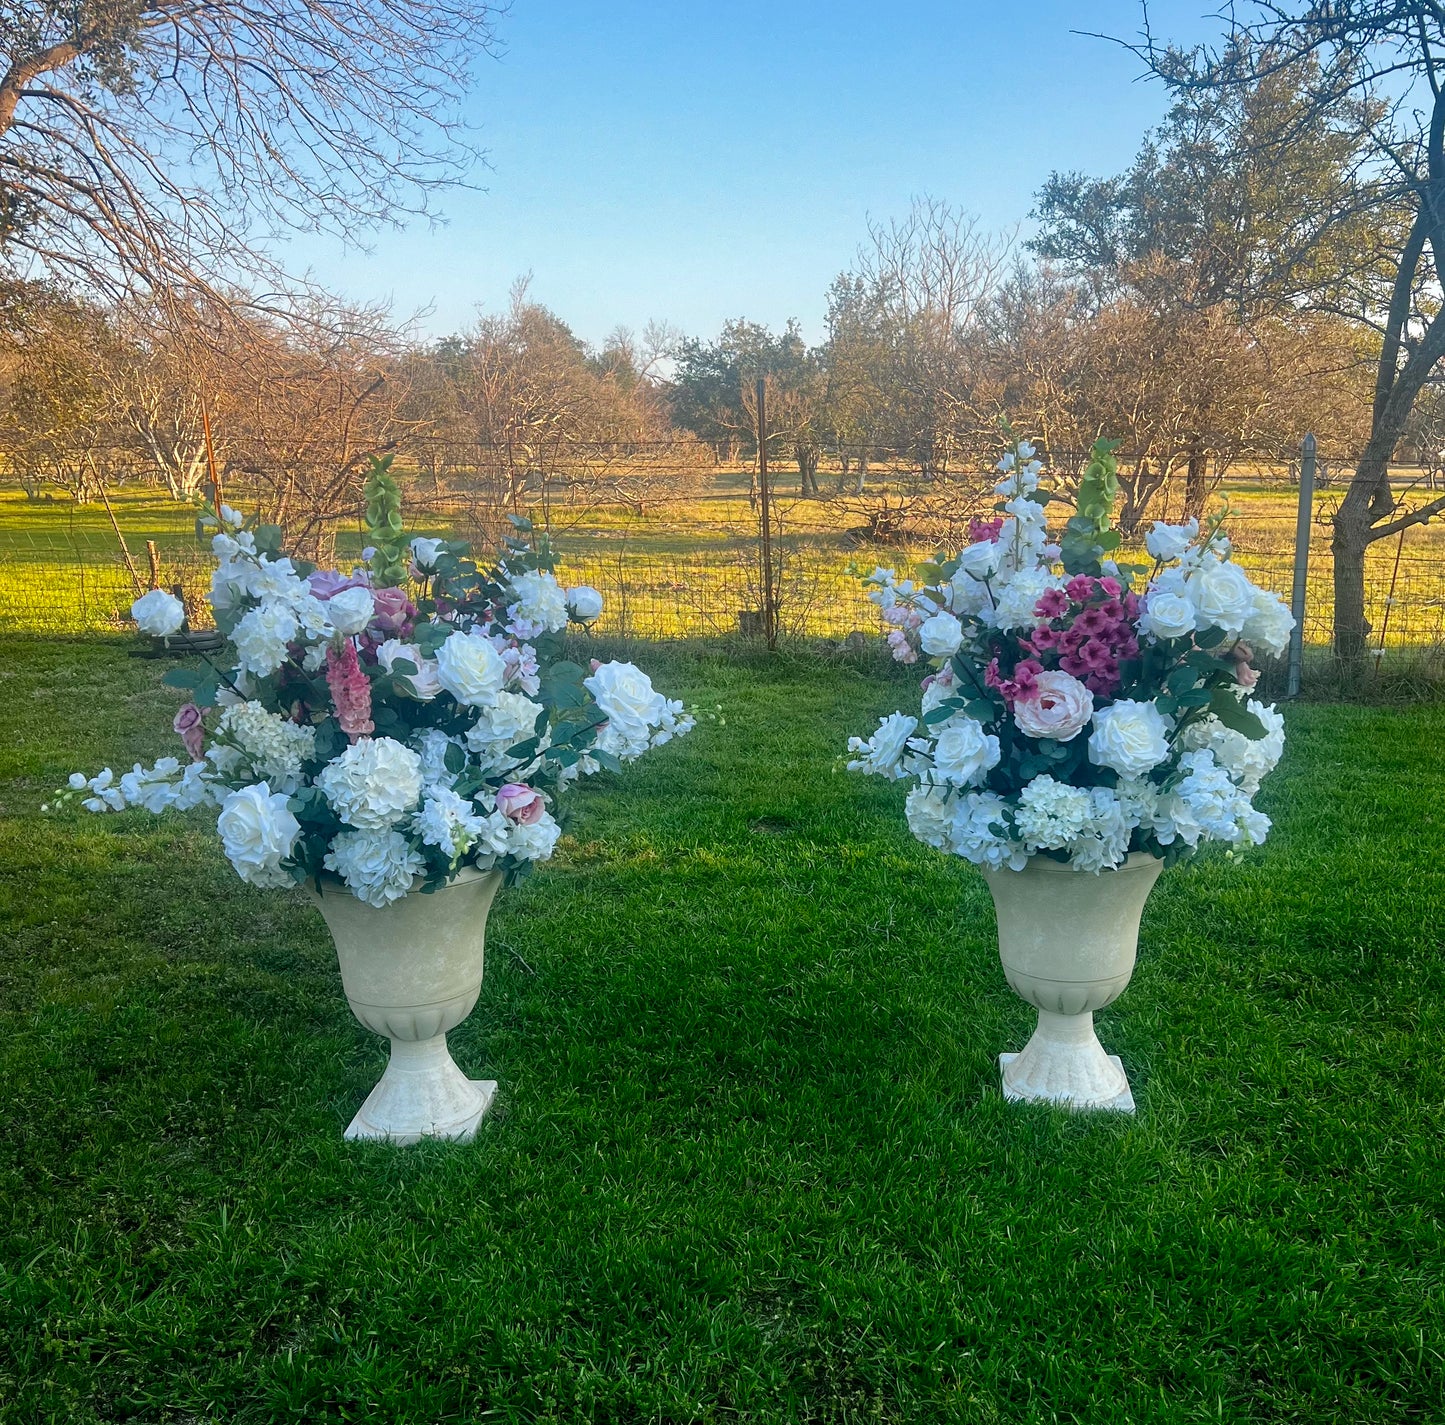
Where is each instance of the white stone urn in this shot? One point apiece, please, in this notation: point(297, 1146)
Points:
point(411, 971)
point(1067, 940)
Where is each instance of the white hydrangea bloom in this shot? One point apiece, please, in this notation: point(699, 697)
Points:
point(1103, 843)
point(1206, 805)
point(374, 783)
point(506, 723)
point(1051, 814)
point(930, 815)
point(447, 822)
point(430, 744)
point(493, 836)
point(973, 836)
point(1247, 760)
point(1014, 601)
point(262, 635)
point(540, 601)
point(378, 867)
point(272, 746)
point(534, 842)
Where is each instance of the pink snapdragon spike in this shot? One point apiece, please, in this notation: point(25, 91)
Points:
point(985, 531)
point(393, 613)
point(520, 803)
point(189, 723)
point(350, 691)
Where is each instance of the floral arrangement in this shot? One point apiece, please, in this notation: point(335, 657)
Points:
point(386, 727)
point(1080, 708)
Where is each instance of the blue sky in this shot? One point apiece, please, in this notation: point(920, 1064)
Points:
point(696, 160)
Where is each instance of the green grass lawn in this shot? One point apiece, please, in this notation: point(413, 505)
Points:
point(750, 1160)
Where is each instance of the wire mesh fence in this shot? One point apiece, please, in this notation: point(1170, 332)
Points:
point(687, 564)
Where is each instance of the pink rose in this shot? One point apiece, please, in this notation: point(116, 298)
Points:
point(520, 803)
point(393, 612)
point(190, 724)
point(1059, 708)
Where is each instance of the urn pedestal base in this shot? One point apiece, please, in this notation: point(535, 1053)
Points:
point(422, 1094)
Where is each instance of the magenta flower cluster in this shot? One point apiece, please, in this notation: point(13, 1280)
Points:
point(1088, 626)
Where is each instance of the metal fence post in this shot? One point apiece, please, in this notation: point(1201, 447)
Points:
point(770, 610)
point(1298, 589)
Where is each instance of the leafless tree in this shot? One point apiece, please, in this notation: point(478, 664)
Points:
point(153, 147)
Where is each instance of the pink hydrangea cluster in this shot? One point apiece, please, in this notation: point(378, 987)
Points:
point(985, 531)
point(350, 690)
point(1023, 683)
point(1089, 626)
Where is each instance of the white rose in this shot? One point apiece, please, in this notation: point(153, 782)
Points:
point(963, 753)
point(1168, 541)
point(1222, 596)
point(1060, 710)
point(350, 611)
point(258, 833)
point(626, 698)
point(1269, 624)
point(941, 635)
point(1130, 737)
point(373, 783)
point(158, 613)
point(981, 560)
point(584, 603)
point(882, 754)
point(425, 552)
point(470, 669)
point(1166, 615)
point(425, 682)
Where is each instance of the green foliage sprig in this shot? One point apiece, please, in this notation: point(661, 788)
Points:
point(383, 524)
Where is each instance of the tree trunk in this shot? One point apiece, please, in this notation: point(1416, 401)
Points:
point(1366, 501)
point(1194, 487)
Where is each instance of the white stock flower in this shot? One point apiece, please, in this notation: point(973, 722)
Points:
point(350, 611)
point(1130, 737)
point(373, 783)
point(258, 833)
point(1059, 709)
point(584, 603)
point(426, 682)
point(275, 580)
point(1269, 625)
point(1051, 814)
point(1167, 542)
point(882, 754)
point(540, 601)
point(1221, 594)
point(470, 669)
point(262, 636)
point(941, 635)
point(158, 613)
point(1166, 615)
point(153, 788)
point(963, 754)
point(378, 867)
